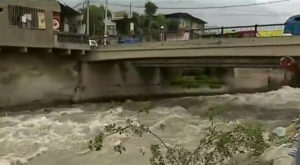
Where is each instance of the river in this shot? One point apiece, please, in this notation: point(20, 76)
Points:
point(60, 135)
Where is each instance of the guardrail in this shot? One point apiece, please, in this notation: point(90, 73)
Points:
point(216, 32)
point(220, 31)
point(72, 38)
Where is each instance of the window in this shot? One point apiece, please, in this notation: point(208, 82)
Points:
point(25, 17)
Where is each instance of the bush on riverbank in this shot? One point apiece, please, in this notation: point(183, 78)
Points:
point(197, 82)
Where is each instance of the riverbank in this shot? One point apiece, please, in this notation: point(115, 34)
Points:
point(188, 93)
point(36, 80)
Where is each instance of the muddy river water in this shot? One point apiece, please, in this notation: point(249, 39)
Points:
point(54, 136)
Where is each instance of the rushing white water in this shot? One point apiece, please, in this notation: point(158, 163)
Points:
point(60, 135)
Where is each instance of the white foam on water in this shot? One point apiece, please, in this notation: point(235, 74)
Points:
point(67, 111)
point(286, 97)
point(6, 160)
point(26, 136)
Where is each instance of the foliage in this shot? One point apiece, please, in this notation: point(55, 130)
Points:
point(97, 16)
point(144, 24)
point(197, 82)
point(278, 140)
point(218, 146)
point(150, 8)
point(161, 20)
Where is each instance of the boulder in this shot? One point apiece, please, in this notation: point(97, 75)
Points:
point(278, 156)
point(282, 157)
point(280, 131)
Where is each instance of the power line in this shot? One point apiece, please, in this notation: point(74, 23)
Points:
point(204, 7)
point(194, 8)
point(247, 14)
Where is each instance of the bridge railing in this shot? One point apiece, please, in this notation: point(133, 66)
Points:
point(263, 30)
point(237, 31)
point(71, 38)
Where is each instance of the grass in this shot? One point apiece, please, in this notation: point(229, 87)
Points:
point(197, 82)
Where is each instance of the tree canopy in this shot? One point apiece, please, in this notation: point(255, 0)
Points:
point(150, 8)
point(97, 15)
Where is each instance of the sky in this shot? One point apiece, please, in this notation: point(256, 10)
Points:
point(250, 15)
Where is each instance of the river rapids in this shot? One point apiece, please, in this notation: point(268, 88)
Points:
point(60, 135)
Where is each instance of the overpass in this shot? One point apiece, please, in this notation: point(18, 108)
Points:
point(221, 52)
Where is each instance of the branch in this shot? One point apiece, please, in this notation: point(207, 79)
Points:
point(166, 146)
point(200, 146)
point(157, 137)
point(117, 131)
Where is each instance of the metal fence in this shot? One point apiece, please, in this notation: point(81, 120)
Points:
point(72, 38)
point(235, 31)
point(263, 30)
point(25, 17)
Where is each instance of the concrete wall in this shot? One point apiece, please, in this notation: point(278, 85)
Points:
point(254, 78)
point(117, 79)
point(32, 78)
point(27, 37)
point(40, 78)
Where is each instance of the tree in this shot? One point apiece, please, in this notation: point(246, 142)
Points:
point(217, 147)
point(161, 20)
point(97, 15)
point(150, 8)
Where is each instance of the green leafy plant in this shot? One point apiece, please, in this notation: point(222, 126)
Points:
point(218, 146)
point(150, 8)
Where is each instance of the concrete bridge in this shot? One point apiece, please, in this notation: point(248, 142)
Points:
point(230, 52)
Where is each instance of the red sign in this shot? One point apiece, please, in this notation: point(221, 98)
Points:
point(56, 21)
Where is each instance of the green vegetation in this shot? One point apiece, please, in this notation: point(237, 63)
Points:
point(217, 147)
point(150, 9)
point(197, 82)
point(97, 15)
point(145, 24)
point(217, 111)
point(195, 78)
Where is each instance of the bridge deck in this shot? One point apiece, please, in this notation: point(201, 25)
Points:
point(216, 50)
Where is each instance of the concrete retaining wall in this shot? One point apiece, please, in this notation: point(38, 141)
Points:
point(44, 78)
point(27, 79)
point(255, 78)
point(40, 78)
point(117, 79)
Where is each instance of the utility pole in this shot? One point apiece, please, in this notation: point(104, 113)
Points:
point(105, 23)
point(88, 17)
point(130, 11)
point(106, 19)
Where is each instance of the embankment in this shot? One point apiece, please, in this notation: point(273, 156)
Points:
point(39, 79)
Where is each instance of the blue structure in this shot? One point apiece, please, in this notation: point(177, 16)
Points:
point(131, 40)
point(293, 25)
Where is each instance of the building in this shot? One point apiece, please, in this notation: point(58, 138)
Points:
point(182, 26)
point(71, 20)
point(119, 15)
point(40, 24)
point(185, 22)
point(179, 27)
point(122, 22)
